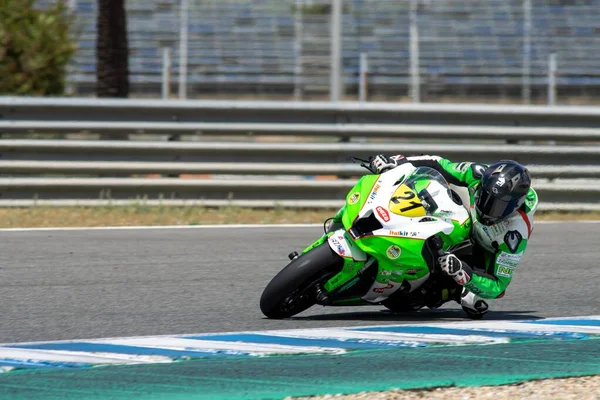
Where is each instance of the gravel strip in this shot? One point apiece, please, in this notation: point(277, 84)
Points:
point(579, 388)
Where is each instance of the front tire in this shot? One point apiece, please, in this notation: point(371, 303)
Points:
point(291, 291)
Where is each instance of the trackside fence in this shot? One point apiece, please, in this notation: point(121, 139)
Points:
point(265, 154)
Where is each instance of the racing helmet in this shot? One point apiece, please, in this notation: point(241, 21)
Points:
point(503, 188)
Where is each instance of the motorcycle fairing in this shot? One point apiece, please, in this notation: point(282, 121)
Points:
point(393, 236)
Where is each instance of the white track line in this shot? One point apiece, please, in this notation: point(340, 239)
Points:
point(104, 228)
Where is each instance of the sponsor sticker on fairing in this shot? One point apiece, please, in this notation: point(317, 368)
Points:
point(373, 194)
point(382, 212)
point(338, 246)
point(353, 199)
point(393, 252)
point(404, 233)
point(383, 289)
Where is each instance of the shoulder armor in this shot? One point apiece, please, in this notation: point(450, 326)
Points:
point(513, 239)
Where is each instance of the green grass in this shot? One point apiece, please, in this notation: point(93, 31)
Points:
point(145, 215)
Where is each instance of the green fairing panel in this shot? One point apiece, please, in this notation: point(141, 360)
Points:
point(409, 260)
point(338, 216)
point(356, 198)
point(316, 243)
point(343, 279)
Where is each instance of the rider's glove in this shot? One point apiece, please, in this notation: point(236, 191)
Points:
point(381, 163)
point(452, 266)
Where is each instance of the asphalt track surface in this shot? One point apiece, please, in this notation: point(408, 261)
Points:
point(73, 284)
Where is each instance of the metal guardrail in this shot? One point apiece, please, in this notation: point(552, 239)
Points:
point(128, 168)
point(341, 130)
point(122, 110)
point(232, 189)
point(297, 204)
point(320, 153)
point(525, 133)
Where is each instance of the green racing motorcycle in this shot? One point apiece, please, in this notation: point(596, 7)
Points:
point(381, 248)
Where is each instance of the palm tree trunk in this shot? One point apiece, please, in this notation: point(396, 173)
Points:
point(112, 64)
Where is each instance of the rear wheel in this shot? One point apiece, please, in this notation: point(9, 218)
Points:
point(292, 290)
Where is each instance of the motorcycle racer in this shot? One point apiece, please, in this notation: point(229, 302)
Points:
point(501, 204)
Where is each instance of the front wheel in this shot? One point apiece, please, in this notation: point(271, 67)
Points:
point(291, 291)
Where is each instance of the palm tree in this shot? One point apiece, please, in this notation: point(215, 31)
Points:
point(112, 67)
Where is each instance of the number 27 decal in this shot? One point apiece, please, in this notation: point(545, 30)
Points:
point(405, 202)
point(407, 196)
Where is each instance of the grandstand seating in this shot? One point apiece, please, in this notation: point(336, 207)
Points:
point(252, 43)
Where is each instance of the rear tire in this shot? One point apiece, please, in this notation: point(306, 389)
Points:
point(291, 291)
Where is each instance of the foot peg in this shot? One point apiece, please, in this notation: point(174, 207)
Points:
point(293, 255)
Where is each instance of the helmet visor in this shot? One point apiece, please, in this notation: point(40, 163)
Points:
point(491, 209)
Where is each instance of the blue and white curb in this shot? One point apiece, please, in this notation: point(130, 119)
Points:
point(166, 349)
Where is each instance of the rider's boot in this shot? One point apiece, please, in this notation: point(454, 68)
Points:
point(473, 305)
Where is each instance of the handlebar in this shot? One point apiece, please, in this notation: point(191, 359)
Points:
point(363, 163)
